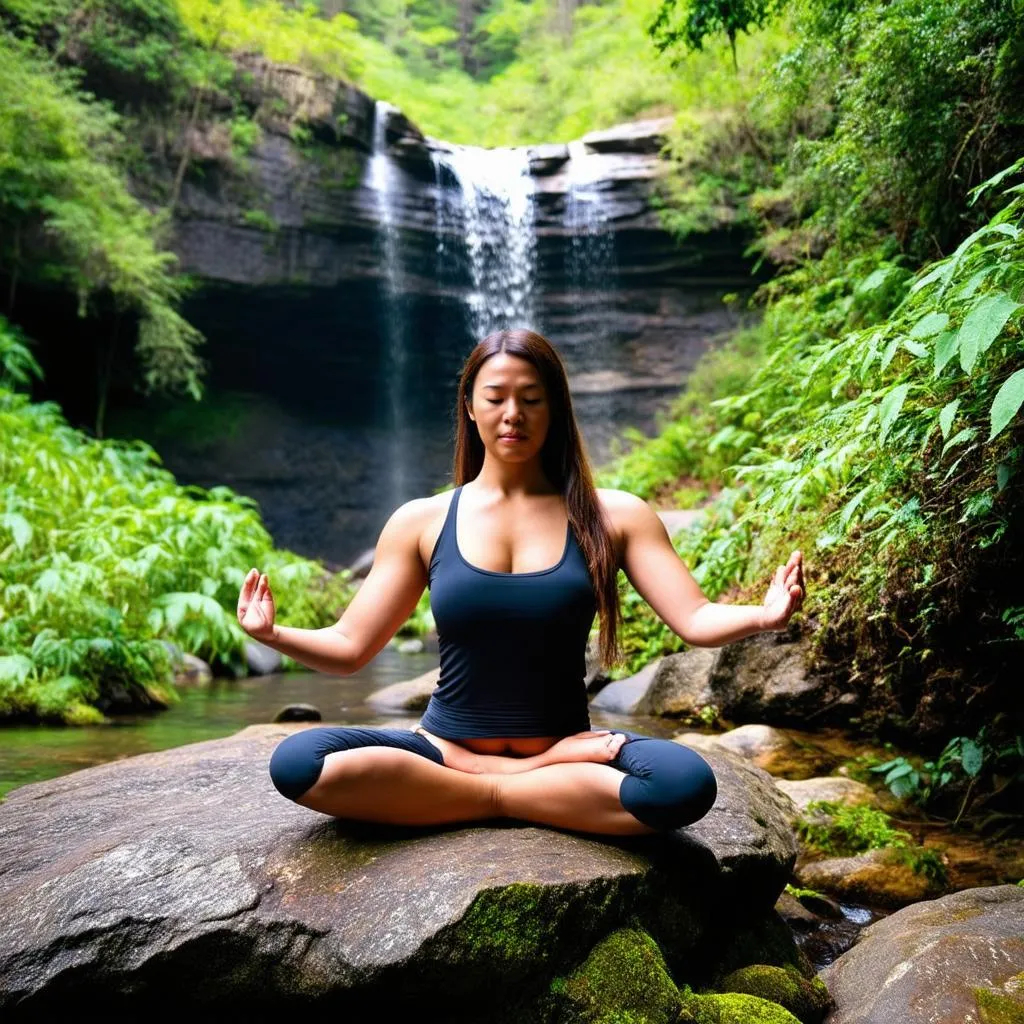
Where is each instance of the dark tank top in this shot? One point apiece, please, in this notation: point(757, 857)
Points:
point(512, 644)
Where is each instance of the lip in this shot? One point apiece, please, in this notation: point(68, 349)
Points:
point(512, 437)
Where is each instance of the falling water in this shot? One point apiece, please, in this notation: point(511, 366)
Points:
point(382, 178)
point(496, 217)
point(591, 265)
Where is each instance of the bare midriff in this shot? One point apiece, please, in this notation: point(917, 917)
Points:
point(515, 746)
point(512, 746)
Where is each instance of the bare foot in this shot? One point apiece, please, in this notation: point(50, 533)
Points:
point(597, 745)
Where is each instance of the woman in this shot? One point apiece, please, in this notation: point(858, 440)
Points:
point(518, 558)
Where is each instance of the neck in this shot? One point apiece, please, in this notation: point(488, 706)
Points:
point(512, 478)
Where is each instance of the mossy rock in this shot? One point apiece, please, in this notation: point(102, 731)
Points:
point(733, 1008)
point(763, 940)
point(623, 980)
point(805, 998)
point(999, 1008)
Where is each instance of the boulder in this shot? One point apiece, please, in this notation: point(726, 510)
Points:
point(879, 878)
point(632, 137)
point(682, 685)
point(807, 999)
point(764, 678)
point(181, 881)
point(192, 671)
point(768, 748)
point(624, 696)
point(834, 788)
point(408, 695)
point(959, 958)
point(261, 659)
point(596, 677)
point(299, 713)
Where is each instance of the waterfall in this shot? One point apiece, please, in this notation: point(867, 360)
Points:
point(496, 219)
point(591, 265)
point(382, 178)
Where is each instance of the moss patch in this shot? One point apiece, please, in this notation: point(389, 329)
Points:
point(731, 1008)
point(807, 999)
point(622, 981)
point(998, 1008)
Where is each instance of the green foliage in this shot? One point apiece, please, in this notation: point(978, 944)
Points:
point(421, 621)
point(878, 425)
point(261, 220)
point(68, 218)
point(840, 830)
point(690, 22)
point(103, 558)
point(925, 101)
point(963, 762)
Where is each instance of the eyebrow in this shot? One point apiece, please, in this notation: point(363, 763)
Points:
point(525, 386)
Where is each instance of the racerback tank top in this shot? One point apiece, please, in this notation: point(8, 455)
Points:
point(512, 644)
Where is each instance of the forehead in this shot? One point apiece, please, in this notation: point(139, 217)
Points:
point(505, 370)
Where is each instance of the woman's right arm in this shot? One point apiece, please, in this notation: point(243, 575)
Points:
point(385, 600)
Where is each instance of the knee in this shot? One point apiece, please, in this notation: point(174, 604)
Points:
point(295, 764)
point(698, 790)
point(679, 789)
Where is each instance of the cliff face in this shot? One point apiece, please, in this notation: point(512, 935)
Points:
point(344, 283)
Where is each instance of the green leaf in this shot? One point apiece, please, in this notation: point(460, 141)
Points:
point(1007, 402)
point(890, 409)
point(930, 325)
point(889, 352)
point(961, 435)
point(851, 506)
point(946, 416)
point(915, 347)
point(972, 757)
point(982, 326)
point(945, 349)
point(19, 526)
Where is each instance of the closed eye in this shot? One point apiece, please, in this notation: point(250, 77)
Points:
point(526, 401)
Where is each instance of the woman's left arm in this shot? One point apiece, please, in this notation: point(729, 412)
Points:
point(662, 579)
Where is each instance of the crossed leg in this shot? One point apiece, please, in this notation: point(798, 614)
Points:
point(399, 777)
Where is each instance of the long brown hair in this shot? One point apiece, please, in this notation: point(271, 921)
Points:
point(563, 459)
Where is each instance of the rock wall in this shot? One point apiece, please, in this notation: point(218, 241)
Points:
point(296, 299)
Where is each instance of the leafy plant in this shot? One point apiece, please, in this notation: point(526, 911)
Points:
point(841, 830)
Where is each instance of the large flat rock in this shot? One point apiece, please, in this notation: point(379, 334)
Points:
point(181, 881)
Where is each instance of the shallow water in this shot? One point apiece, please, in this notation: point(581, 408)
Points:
point(32, 753)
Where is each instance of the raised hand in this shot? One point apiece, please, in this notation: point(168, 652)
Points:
point(256, 606)
point(785, 593)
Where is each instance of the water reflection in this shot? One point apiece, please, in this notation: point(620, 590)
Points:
point(35, 752)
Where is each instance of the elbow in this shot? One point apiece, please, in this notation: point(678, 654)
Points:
point(689, 630)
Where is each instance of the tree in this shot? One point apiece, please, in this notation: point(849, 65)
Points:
point(690, 22)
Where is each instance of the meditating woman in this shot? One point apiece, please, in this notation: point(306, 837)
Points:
point(519, 557)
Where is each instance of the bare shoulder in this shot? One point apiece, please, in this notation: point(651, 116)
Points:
point(416, 524)
point(624, 509)
point(628, 515)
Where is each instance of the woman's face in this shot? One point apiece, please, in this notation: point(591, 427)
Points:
point(509, 398)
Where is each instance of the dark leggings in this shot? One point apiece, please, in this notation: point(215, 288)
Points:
point(666, 786)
